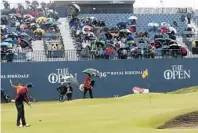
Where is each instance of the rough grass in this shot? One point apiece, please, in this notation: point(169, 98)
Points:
point(128, 114)
point(186, 90)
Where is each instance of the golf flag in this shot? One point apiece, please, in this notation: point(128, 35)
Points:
point(145, 74)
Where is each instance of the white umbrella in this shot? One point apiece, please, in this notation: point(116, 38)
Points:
point(176, 44)
point(153, 25)
point(133, 18)
point(92, 18)
point(156, 25)
point(150, 24)
point(92, 72)
point(166, 24)
point(51, 10)
point(77, 6)
point(172, 29)
point(34, 24)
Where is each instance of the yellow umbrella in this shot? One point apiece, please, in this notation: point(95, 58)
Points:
point(39, 30)
point(41, 19)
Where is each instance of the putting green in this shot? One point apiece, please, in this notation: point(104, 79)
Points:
point(129, 114)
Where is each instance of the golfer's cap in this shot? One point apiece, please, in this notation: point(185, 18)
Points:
point(29, 85)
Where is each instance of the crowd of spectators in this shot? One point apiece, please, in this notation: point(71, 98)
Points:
point(20, 27)
point(94, 40)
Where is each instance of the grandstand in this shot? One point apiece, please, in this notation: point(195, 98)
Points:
point(142, 21)
point(107, 14)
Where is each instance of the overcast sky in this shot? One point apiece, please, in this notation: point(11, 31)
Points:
point(148, 3)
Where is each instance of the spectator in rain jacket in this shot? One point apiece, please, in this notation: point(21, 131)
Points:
point(87, 86)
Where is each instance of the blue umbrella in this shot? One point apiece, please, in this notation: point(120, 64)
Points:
point(130, 37)
point(7, 44)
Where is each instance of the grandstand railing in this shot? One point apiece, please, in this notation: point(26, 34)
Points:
point(71, 55)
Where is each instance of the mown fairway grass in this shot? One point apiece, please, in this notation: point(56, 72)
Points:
point(129, 114)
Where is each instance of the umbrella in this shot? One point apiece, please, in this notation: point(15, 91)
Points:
point(175, 44)
point(41, 19)
point(51, 10)
point(15, 34)
point(121, 24)
point(9, 40)
point(15, 15)
point(39, 30)
point(153, 25)
point(6, 44)
point(24, 34)
point(87, 28)
point(113, 34)
point(165, 24)
point(28, 16)
point(130, 42)
point(70, 79)
point(50, 20)
point(77, 7)
point(125, 31)
point(34, 25)
point(25, 43)
point(92, 18)
point(130, 37)
point(172, 29)
point(100, 44)
point(133, 18)
point(92, 72)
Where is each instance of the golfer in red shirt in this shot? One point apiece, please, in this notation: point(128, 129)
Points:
point(20, 97)
point(87, 86)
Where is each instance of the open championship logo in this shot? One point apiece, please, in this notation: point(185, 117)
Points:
point(59, 75)
point(177, 72)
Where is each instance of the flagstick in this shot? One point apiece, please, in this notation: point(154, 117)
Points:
point(149, 90)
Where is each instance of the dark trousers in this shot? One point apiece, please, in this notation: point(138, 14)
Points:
point(20, 113)
point(90, 92)
point(69, 96)
point(61, 97)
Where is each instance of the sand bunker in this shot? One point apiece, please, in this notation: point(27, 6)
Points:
point(185, 121)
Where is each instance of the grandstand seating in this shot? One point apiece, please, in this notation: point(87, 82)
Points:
point(143, 19)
